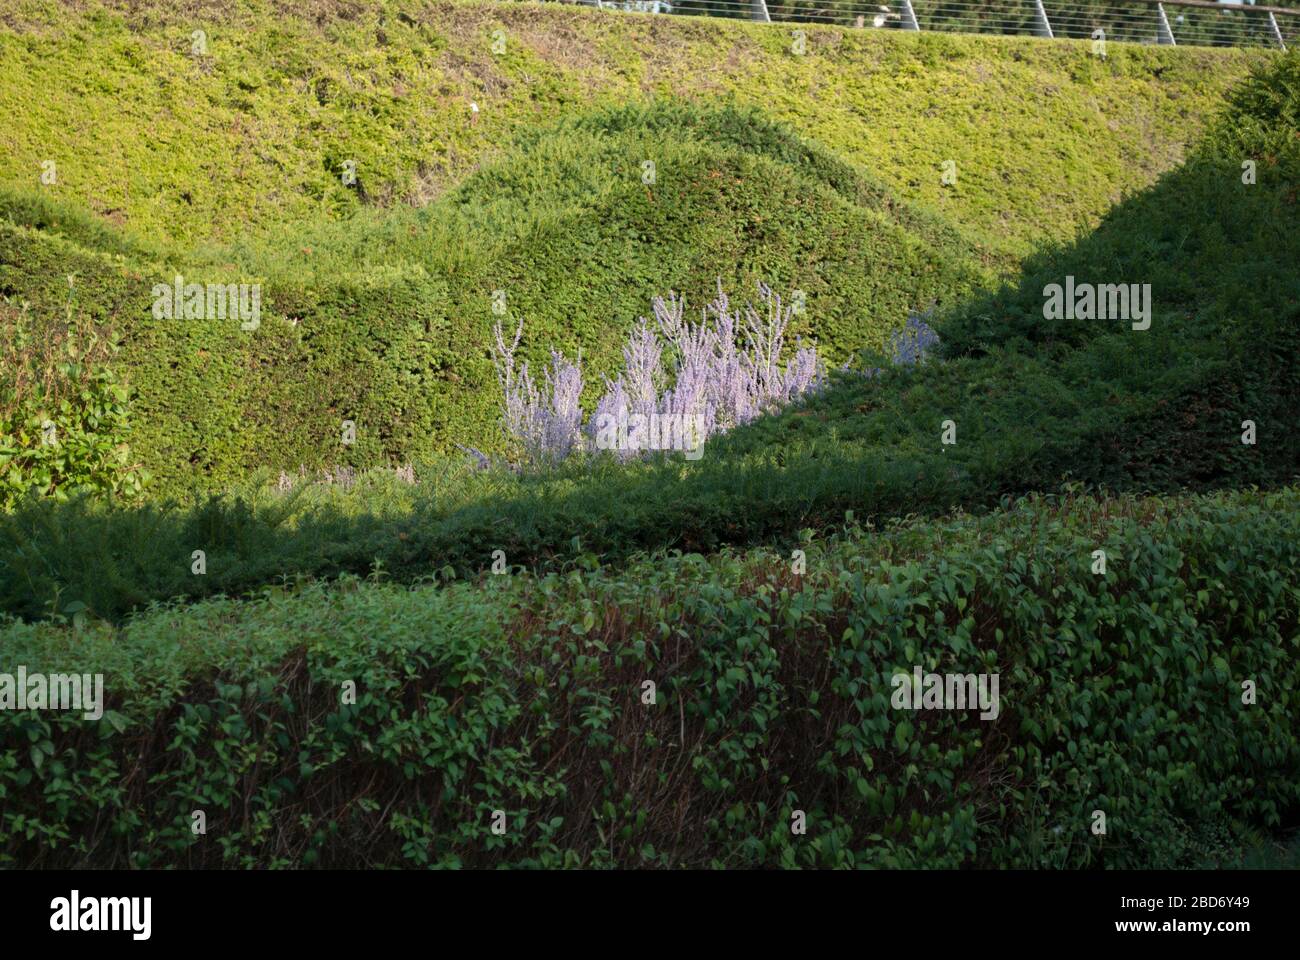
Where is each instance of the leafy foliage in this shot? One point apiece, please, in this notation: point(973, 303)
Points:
point(63, 413)
point(390, 326)
point(1036, 403)
point(523, 693)
point(1121, 693)
point(390, 87)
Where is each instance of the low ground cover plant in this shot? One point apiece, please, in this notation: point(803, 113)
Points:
point(64, 415)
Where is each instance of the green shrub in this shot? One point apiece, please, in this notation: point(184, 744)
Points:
point(252, 136)
point(1120, 692)
point(63, 413)
point(386, 321)
point(377, 296)
point(1036, 404)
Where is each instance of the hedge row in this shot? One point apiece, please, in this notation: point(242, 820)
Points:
point(1128, 414)
point(386, 321)
point(253, 134)
point(1160, 693)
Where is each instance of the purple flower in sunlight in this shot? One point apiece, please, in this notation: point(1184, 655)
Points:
point(544, 421)
point(720, 372)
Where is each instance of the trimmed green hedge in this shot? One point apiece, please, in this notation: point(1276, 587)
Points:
point(1121, 693)
point(1035, 403)
point(191, 149)
point(386, 321)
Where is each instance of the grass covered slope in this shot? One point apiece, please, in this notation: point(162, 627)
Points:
point(1120, 692)
point(376, 296)
point(577, 221)
point(385, 320)
point(1035, 403)
point(190, 148)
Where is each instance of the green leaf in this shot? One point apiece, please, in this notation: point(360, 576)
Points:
point(902, 734)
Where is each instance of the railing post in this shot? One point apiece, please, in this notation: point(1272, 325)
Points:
point(1042, 26)
point(1277, 32)
point(760, 11)
point(1163, 33)
point(909, 17)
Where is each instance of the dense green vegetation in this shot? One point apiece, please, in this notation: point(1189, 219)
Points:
point(63, 415)
point(1120, 692)
point(1034, 402)
point(378, 312)
point(390, 325)
point(521, 692)
point(250, 137)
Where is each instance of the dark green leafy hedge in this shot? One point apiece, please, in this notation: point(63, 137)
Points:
point(1120, 693)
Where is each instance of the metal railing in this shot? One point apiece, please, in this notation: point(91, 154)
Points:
point(1169, 22)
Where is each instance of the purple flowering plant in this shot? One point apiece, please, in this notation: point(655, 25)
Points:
point(723, 370)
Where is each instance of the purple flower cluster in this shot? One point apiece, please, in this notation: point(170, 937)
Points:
point(727, 369)
point(912, 344)
point(544, 421)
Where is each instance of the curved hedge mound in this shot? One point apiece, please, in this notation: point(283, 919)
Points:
point(250, 133)
point(1160, 693)
point(1035, 402)
point(385, 320)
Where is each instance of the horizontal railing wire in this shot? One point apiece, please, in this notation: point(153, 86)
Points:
point(1191, 22)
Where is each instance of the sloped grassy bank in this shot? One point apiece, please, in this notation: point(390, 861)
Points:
point(385, 321)
point(250, 134)
point(1035, 403)
point(1124, 693)
point(376, 295)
